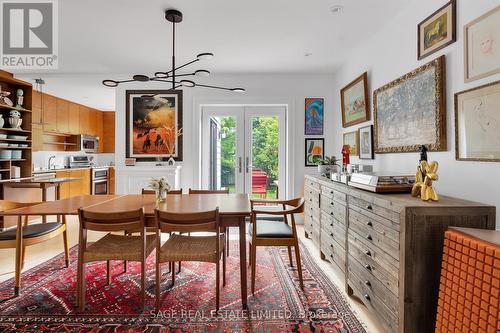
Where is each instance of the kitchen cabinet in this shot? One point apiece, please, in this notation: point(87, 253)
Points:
point(37, 137)
point(36, 107)
point(75, 188)
point(93, 114)
point(111, 178)
point(49, 113)
point(62, 116)
point(84, 120)
point(99, 129)
point(74, 118)
point(108, 132)
point(64, 188)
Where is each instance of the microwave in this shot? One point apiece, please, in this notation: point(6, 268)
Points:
point(89, 143)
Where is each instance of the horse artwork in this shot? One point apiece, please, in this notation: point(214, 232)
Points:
point(354, 101)
point(438, 30)
point(154, 124)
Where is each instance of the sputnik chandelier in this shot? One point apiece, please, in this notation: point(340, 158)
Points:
point(175, 16)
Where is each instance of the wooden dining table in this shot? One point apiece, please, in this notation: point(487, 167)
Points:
point(233, 211)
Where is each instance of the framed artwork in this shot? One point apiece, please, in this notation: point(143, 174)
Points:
point(315, 150)
point(354, 101)
point(366, 143)
point(477, 124)
point(154, 124)
point(438, 30)
point(352, 139)
point(482, 46)
point(314, 116)
point(411, 111)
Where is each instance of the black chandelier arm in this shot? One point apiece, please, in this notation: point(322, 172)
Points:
point(182, 66)
point(212, 87)
point(190, 74)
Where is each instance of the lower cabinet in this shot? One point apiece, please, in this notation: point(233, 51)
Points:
point(77, 187)
point(387, 247)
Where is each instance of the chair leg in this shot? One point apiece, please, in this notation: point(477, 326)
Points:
point(81, 286)
point(108, 272)
point(217, 284)
point(299, 265)
point(179, 268)
point(250, 254)
point(254, 260)
point(226, 230)
point(23, 255)
point(224, 250)
point(290, 255)
point(66, 247)
point(157, 286)
point(19, 256)
point(124, 266)
point(173, 272)
point(143, 283)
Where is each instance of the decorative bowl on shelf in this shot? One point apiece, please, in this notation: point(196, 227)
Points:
point(3, 136)
point(5, 154)
point(17, 137)
point(15, 122)
point(17, 154)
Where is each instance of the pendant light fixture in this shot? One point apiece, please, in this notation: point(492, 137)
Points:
point(171, 76)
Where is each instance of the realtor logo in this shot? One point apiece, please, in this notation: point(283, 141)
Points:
point(29, 34)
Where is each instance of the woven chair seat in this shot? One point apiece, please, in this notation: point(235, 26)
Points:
point(191, 248)
point(118, 247)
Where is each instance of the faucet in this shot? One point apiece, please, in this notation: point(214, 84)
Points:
point(50, 160)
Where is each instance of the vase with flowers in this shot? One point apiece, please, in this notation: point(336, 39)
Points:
point(161, 187)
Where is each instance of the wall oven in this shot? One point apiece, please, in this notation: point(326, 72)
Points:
point(100, 182)
point(89, 143)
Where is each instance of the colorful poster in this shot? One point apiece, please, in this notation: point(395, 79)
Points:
point(314, 113)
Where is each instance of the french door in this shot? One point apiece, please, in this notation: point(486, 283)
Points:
point(243, 149)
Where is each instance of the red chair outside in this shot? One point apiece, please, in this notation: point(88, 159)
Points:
point(259, 183)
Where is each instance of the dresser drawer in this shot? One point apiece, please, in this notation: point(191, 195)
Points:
point(374, 237)
point(385, 268)
point(373, 225)
point(333, 194)
point(370, 204)
point(333, 208)
point(333, 251)
point(310, 192)
point(312, 184)
point(333, 229)
point(370, 216)
point(373, 303)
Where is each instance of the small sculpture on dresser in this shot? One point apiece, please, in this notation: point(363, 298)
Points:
point(425, 176)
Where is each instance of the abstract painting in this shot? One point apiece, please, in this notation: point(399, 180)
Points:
point(482, 46)
point(352, 140)
point(411, 111)
point(314, 113)
point(154, 124)
point(366, 143)
point(354, 101)
point(438, 30)
point(315, 151)
point(477, 123)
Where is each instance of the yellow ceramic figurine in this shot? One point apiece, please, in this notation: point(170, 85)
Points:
point(426, 174)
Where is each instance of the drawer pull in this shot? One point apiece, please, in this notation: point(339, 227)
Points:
point(331, 224)
point(331, 192)
point(368, 283)
point(331, 213)
point(369, 223)
point(369, 207)
point(368, 267)
point(331, 234)
point(311, 199)
point(331, 203)
point(310, 192)
point(369, 237)
point(331, 245)
point(367, 297)
point(368, 253)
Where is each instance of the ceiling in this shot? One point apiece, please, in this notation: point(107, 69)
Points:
point(246, 36)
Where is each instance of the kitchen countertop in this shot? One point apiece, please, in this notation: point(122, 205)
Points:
point(41, 171)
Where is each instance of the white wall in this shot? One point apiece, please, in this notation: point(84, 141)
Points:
point(391, 53)
point(261, 89)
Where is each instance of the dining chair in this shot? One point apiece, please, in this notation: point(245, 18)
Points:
point(180, 247)
point(275, 233)
point(25, 234)
point(112, 246)
point(149, 191)
point(224, 191)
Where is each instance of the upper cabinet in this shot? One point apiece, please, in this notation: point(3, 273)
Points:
point(108, 132)
point(84, 120)
point(62, 116)
point(49, 113)
point(74, 121)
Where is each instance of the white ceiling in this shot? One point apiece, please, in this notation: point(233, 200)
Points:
point(246, 36)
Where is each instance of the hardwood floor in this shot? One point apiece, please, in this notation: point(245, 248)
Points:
point(44, 251)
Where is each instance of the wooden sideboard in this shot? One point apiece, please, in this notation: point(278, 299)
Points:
point(388, 247)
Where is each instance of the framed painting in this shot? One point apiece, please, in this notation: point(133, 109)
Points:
point(314, 116)
point(411, 111)
point(366, 143)
point(352, 139)
point(438, 30)
point(354, 101)
point(477, 124)
point(482, 46)
point(315, 150)
point(154, 124)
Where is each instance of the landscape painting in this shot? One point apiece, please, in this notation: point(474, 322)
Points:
point(354, 101)
point(410, 111)
point(154, 124)
point(438, 30)
point(314, 151)
point(477, 123)
point(314, 116)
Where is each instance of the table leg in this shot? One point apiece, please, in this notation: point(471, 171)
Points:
point(19, 255)
point(243, 262)
point(44, 199)
point(58, 196)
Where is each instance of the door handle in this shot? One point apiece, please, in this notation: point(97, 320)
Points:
point(248, 165)
point(240, 166)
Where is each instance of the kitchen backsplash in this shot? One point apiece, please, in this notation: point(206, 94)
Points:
point(41, 159)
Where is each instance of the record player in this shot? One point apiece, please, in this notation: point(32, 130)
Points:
point(383, 182)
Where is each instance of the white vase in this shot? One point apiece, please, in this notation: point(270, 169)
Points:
point(2, 121)
point(161, 195)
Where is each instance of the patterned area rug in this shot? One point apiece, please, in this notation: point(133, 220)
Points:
point(48, 297)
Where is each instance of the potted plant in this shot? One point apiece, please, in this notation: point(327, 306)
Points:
point(327, 165)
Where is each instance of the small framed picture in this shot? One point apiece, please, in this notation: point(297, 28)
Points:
point(314, 116)
point(438, 30)
point(314, 151)
point(477, 124)
point(366, 143)
point(352, 140)
point(354, 101)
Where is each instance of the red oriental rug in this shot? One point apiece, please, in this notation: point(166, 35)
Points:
point(48, 295)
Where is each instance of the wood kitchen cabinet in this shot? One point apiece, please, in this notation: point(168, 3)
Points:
point(37, 137)
point(62, 116)
point(99, 129)
point(36, 107)
point(64, 188)
point(93, 119)
point(84, 120)
point(74, 188)
point(111, 185)
point(74, 118)
point(108, 132)
point(49, 113)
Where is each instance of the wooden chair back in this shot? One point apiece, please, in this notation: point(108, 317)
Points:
point(290, 208)
point(148, 191)
point(109, 222)
point(188, 222)
point(225, 191)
